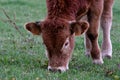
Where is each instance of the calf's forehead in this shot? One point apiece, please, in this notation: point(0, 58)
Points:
point(55, 32)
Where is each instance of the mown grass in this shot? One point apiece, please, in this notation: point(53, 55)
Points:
point(23, 58)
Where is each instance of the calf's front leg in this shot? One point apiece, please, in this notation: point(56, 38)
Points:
point(94, 16)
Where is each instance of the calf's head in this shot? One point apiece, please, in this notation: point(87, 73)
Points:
point(58, 37)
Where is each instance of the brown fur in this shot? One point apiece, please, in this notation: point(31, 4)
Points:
point(62, 22)
point(67, 9)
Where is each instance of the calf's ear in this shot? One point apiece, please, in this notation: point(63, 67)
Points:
point(33, 27)
point(79, 27)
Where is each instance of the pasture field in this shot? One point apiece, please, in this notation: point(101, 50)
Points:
point(23, 58)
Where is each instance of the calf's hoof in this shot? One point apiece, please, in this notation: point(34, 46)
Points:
point(107, 54)
point(98, 61)
point(87, 53)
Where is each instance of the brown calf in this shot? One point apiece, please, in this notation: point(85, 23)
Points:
point(63, 23)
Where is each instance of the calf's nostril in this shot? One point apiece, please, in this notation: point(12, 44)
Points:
point(53, 70)
point(49, 69)
point(59, 70)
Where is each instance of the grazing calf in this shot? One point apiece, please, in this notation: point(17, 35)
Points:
point(63, 23)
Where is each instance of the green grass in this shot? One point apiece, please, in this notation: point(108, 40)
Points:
point(23, 58)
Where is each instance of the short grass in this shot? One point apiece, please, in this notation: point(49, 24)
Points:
point(23, 58)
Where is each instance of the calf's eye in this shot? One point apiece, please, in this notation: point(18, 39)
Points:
point(66, 43)
point(66, 46)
